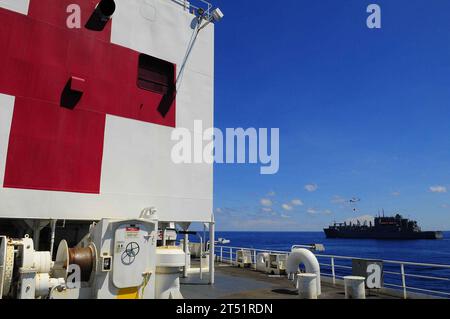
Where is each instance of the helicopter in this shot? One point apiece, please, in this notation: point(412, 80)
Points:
point(353, 202)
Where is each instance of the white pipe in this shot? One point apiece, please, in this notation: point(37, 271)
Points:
point(260, 261)
point(52, 239)
point(211, 250)
point(187, 256)
point(36, 234)
point(201, 256)
point(304, 256)
point(204, 236)
point(262, 257)
point(355, 287)
point(307, 286)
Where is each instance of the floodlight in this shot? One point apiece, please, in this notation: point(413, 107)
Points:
point(217, 14)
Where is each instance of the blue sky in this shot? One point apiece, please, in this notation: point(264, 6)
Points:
point(361, 112)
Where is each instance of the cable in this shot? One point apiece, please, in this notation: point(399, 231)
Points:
point(194, 37)
point(145, 282)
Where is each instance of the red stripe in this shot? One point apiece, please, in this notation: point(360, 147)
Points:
point(54, 148)
point(50, 147)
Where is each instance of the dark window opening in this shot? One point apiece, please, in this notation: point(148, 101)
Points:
point(156, 75)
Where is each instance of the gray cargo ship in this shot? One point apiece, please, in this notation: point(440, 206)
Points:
point(383, 227)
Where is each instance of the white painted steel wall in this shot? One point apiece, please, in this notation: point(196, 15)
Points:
point(137, 171)
point(20, 6)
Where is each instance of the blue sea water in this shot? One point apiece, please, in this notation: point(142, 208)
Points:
point(423, 251)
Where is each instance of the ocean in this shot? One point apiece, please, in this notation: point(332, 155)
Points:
point(422, 251)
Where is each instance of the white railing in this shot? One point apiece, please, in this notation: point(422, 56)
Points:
point(338, 269)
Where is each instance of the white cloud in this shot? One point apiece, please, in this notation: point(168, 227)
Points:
point(287, 207)
point(271, 194)
point(266, 202)
point(267, 209)
point(297, 202)
point(395, 194)
point(268, 223)
point(438, 189)
point(316, 211)
point(311, 187)
point(230, 211)
point(338, 200)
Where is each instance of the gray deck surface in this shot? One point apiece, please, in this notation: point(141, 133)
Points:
point(238, 283)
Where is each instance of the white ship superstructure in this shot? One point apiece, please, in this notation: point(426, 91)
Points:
point(90, 93)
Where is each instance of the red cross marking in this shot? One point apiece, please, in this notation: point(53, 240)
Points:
point(51, 147)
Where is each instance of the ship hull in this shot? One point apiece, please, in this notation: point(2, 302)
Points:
point(333, 233)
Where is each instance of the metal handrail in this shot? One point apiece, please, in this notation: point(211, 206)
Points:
point(406, 263)
point(336, 266)
point(230, 251)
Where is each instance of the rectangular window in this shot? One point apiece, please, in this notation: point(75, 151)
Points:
point(156, 75)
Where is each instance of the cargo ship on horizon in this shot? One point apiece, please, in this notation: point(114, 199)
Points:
point(395, 227)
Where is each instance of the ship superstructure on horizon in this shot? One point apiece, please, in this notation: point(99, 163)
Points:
point(392, 227)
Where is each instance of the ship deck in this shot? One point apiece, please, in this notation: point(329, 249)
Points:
point(237, 283)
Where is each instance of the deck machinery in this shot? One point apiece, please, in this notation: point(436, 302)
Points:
point(91, 92)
